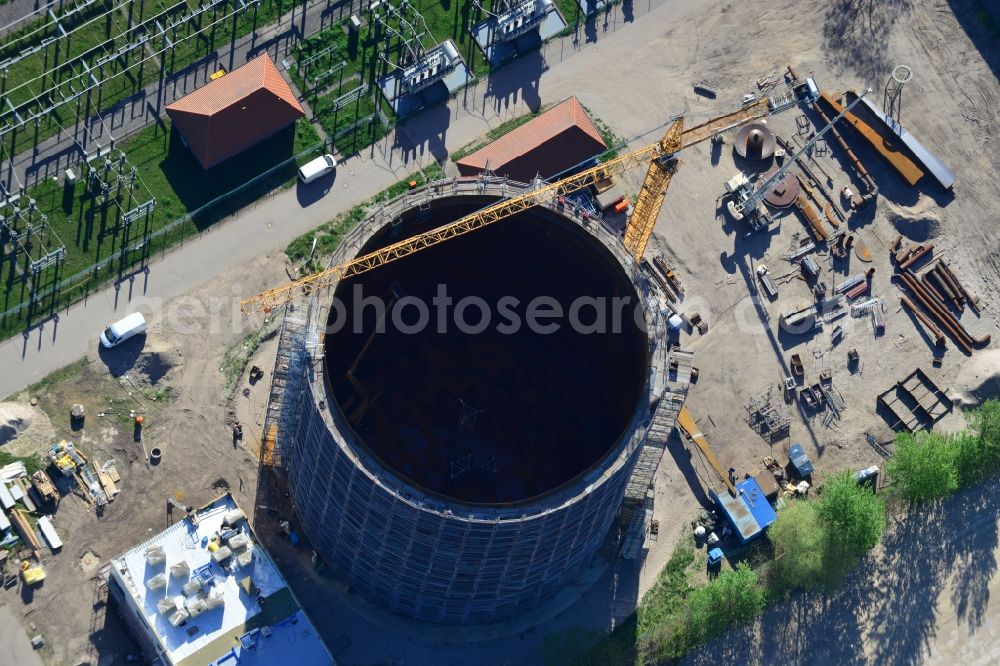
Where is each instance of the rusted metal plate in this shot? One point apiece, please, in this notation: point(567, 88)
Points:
point(783, 193)
point(862, 251)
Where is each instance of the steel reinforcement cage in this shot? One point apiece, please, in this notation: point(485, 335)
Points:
point(420, 555)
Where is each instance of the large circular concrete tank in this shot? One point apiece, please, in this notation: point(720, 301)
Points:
point(457, 476)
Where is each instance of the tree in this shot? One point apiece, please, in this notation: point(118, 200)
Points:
point(985, 421)
point(854, 514)
point(982, 453)
point(800, 543)
point(732, 598)
point(971, 458)
point(925, 466)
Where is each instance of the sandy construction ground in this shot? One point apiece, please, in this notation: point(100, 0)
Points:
point(634, 79)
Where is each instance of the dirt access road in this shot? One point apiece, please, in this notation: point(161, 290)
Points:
point(952, 106)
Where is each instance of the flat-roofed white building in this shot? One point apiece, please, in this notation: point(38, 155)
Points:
point(204, 592)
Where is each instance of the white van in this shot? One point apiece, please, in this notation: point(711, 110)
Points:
point(316, 168)
point(120, 331)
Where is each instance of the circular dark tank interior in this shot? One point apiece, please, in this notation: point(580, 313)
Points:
point(496, 416)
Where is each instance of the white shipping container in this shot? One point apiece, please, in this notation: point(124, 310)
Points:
point(6, 499)
point(49, 532)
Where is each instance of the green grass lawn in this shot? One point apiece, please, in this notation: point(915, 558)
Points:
point(91, 230)
point(123, 79)
point(444, 19)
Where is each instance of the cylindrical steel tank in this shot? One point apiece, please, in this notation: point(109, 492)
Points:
point(465, 477)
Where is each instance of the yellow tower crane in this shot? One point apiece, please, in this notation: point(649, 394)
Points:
point(661, 157)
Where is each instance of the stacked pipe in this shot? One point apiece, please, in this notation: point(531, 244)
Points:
point(934, 330)
point(932, 289)
point(946, 270)
point(944, 289)
point(858, 166)
point(938, 310)
point(957, 296)
point(848, 283)
point(816, 224)
point(916, 253)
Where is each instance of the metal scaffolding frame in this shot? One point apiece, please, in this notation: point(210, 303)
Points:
point(767, 418)
point(22, 228)
point(407, 550)
point(637, 505)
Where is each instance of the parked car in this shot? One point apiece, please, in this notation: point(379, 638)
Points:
point(317, 168)
point(122, 330)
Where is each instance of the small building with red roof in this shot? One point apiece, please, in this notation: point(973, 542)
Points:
point(226, 116)
point(549, 144)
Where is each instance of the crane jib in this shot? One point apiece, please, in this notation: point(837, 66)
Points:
point(638, 228)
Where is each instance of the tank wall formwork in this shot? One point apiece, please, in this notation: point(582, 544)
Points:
point(434, 559)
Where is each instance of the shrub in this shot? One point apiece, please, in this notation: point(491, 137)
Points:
point(924, 466)
point(853, 514)
point(733, 598)
point(800, 543)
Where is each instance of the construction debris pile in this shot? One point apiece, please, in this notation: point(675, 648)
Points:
point(100, 485)
point(24, 499)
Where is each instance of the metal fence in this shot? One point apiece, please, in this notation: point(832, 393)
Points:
point(577, 36)
point(94, 269)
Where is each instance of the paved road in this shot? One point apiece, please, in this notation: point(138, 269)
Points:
point(16, 644)
point(256, 232)
point(267, 228)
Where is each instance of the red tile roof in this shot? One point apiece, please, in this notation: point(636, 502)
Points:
point(230, 114)
point(556, 140)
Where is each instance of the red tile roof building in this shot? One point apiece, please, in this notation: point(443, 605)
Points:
point(558, 139)
point(228, 115)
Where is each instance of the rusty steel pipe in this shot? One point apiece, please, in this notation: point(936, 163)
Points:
point(935, 306)
point(934, 330)
point(932, 295)
point(952, 320)
point(968, 294)
point(961, 338)
point(916, 255)
point(955, 287)
point(855, 162)
point(942, 286)
point(946, 288)
point(931, 288)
